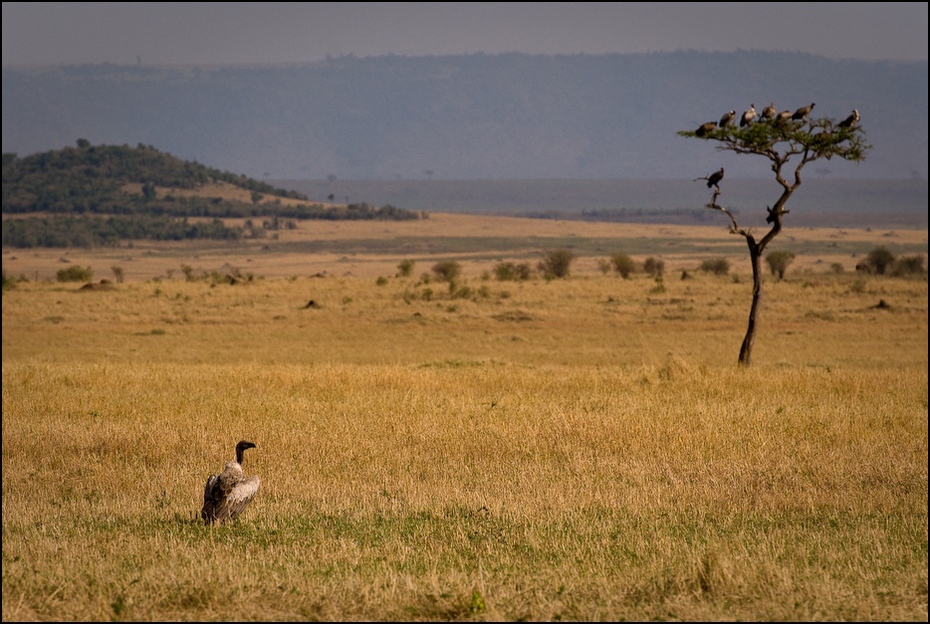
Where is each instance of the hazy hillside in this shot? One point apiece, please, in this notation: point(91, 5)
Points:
point(511, 116)
point(97, 195)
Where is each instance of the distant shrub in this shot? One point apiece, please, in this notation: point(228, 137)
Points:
point(778, 262)
point(381, 281)
point(623, 264)
point(8, 282)
point(837, 268)
point(507, 271)
point(556, 263)
point(909, 265)
point(878, 261)
point(603, 265)
point(447, 270)
point(405, 268)
point(75, 274)
point(717, 266)
point(654, 267)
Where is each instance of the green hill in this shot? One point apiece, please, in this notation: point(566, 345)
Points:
point(97, 195)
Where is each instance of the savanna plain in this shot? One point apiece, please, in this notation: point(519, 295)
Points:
point(580, 448)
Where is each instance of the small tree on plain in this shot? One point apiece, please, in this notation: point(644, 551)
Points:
point(447, 271)
point(556, 263)
point(880, 260)
point(717, 266)
point(623, 264)
point(654, 267)
point(788, 144)
point(778, 262)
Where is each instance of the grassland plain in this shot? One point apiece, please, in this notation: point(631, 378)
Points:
point(574, 449)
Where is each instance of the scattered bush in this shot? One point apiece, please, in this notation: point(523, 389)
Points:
point(447, 270)
point(837, 268)
point(75, 274)
point(405, 268)
point(878, 261)
point(779, 261)
point(654, 267)
point(556, 263)
point(623, 264)
point(717, 266)
point(507, 271)
point(909, 265)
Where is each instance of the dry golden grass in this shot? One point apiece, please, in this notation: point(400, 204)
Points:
point(372, 248)
point(577, 449)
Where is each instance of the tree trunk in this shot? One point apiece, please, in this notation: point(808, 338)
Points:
point(755, 255)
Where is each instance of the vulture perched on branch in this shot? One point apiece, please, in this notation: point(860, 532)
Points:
point(228, 493)
point(748, 116)
point(802, 113)
point(769, 111)
point(714, 178)
point(727, 119)
point(850, 121)
point(705, 129)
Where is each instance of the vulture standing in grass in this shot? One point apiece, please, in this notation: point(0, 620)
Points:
point(802, 113)
point(850, 121)
point(228, 493)
point(748, 116)
point(727, 119)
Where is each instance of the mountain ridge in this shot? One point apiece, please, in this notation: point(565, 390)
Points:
point(480, 116)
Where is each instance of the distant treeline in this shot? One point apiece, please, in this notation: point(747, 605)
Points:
point(95, 231)
point(90, 180)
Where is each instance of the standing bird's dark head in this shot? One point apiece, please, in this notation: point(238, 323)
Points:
point(240, 449)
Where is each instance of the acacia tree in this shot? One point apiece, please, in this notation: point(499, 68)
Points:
point(789, 145)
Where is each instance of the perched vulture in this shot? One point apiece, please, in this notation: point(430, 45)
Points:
point(785, 115)
point(748, 116)
point(705, 129)
point(715, 178)
point(850, 121)
point(727, 119)
point(802, 113)
point(769, 111)
point(228, 493)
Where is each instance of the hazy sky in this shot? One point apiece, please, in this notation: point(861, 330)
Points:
point(300, 32)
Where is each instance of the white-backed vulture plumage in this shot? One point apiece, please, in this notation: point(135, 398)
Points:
point(727, 118)
point(748, 116)
point(850, 121)
point(769, 112)
point(228, 493)
point(785, 115)
point(802, 113)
